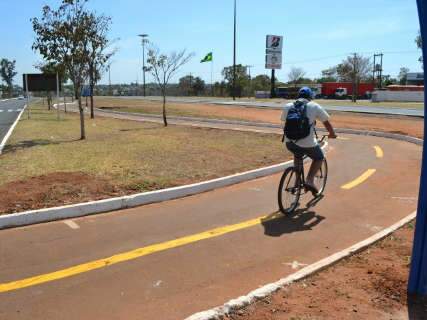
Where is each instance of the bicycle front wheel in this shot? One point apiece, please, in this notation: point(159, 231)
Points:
point(289, 191)
point(321, 177)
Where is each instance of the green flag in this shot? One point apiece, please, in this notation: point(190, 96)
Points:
point(207, 58)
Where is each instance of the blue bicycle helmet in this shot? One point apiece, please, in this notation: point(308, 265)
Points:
point(306, 93)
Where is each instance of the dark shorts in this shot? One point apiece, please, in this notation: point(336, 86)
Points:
point(315, 153)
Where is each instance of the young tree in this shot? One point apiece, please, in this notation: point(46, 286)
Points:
point(98, 42)
point(163, 67)
point(7, 73)
point(295, 75)
point(62, 37)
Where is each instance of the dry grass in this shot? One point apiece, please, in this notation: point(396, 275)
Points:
point(132, 154)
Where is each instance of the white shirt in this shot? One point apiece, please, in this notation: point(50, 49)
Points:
point(314, 112)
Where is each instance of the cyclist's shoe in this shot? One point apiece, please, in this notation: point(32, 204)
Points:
point(312, 189)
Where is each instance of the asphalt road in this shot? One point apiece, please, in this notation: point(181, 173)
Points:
point(278, 105)
point(171, 259)
point(9, 111)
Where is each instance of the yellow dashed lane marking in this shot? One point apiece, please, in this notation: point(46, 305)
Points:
point(131, 255)
point(359, 180)
point(379, 152)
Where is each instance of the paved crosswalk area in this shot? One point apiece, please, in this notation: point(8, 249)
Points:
point(11, 110)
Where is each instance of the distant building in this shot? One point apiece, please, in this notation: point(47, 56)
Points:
point(415, 78)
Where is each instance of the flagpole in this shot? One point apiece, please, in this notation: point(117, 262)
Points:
point(212, 88)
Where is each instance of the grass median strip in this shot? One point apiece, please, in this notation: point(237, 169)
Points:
point(45, 165)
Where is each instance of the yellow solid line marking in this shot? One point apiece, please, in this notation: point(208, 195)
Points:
point(359, 180)
point(342, 138)
point(379, 152)
point(130, 255)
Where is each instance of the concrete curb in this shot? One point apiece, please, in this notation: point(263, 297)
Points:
point(94, 207)
point(241, 302)
point(9, 133)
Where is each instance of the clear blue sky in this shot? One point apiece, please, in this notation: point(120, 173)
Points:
point(318, 34)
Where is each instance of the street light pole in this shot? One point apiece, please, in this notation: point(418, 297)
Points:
point(144, 41)
point(234, 52)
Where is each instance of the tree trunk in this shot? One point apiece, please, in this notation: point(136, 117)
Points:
point(82, 120)
point(92, 114)
point(49, 101)
point(65, 104)
point(165, 121)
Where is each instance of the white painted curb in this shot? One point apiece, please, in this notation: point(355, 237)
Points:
point(9, 133)
point(93, 207)
point(241, 302)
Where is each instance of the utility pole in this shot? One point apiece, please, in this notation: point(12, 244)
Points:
point(250, 79)
point(234, 51)
point(373, 71)
point(381, 71)
point(354, 78)
point(378, 69)
point(144, 41)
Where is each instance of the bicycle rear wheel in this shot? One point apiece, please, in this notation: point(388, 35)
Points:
point(289, 191)
point(321, 177)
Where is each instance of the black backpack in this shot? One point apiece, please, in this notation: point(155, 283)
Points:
point(297, 125)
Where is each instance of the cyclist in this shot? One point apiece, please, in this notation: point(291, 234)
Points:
point(302, 115)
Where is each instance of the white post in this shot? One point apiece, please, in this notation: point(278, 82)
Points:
point(28, 97)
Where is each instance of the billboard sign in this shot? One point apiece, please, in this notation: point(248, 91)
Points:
point(273, 52)
point(40, 82)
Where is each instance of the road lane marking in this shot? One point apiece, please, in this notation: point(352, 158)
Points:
point(359, 180)
point(72, 224)
point(131, 255)
point(379, 152)
point(10, 110)
point(342, 138)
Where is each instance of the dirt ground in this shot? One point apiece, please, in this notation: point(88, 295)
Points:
point(49, 189)
point(369, 285)
point(395, 124)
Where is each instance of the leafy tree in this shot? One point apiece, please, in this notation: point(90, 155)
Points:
point(163, 67)
point(329, 75)
point(185, 84)
point(295, 75)
point(242, 79)
point(261, 82)
point(355, 69)
point(63, 37)
point(220, 88)
point(190, 85)
point(403, 75)
point(198, 86)
point(7, 73)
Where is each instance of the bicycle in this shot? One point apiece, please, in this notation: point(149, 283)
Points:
point(292, 184)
